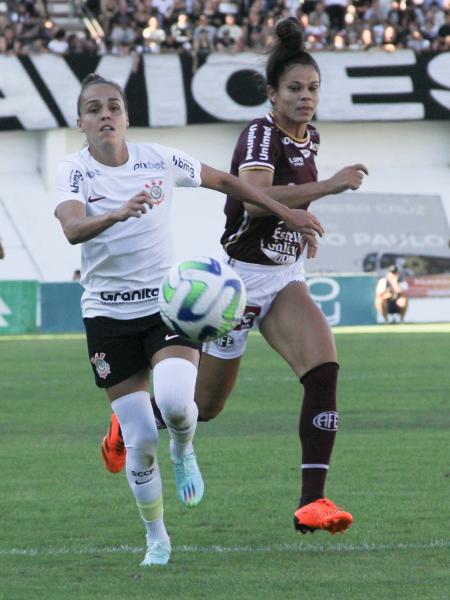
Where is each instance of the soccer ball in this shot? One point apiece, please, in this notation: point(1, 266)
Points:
point(201, 299)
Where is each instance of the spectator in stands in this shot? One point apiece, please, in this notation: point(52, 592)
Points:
point(76, 275)
point(153, 37)
point(181, 33)
point(123, 33)
point(253, 36)
point(336, 10)
point(442, 42)
point(202, 47)
point(319, 15)
point(415, 39)
point(203, 25)
point(391, 298)
point(2, 250)
point(7, 40)
point(59, 44)
point(74, 44)
point(230, 27)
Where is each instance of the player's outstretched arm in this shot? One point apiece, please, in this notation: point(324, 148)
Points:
point(79, 227)
point(296, 196)
point(297, 220)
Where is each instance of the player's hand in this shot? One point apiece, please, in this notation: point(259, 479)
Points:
point(348, 178)
point(134, 207)
point(311, 244)
point(303, 221)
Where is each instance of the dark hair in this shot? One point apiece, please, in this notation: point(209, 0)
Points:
point(94, 79)
point(288, 50)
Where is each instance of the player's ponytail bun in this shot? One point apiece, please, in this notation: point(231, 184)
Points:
point(288, 49)
point(95, 79)
point(290, 37)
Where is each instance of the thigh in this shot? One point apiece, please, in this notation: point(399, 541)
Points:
point(115, 349)
point(215, 381)
point(139, 382)
point(296, 328)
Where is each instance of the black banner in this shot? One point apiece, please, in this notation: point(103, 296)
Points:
point(40, 92)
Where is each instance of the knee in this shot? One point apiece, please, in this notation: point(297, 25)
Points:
point(179, 415)
point(143, 442)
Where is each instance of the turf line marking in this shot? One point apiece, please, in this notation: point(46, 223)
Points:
point(355, 329)
point(305, 548)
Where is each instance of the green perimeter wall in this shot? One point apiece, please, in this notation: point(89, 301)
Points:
point(28, 307)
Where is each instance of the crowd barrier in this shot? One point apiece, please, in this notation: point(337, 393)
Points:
point(33, 307)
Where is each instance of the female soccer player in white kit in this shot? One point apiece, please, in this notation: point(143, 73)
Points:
point(115, 198)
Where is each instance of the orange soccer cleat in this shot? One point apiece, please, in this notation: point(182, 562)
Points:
point(113, 448)
point(322, 514)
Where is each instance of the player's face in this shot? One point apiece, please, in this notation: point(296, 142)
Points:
point(103, 116)
point(296, 99)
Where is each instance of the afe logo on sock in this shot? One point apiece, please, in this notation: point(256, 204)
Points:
point(327, 421)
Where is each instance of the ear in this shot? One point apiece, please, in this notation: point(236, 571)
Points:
point(271, 93)
point(80, 128)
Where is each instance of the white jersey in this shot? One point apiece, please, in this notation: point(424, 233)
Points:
point(123, 266)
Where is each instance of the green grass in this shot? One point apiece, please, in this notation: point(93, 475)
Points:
point(70, 530)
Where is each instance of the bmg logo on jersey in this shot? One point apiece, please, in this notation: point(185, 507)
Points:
point(184, 164)
point(75, 180)
point(142, 164)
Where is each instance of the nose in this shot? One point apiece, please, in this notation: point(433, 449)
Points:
point(105, 113)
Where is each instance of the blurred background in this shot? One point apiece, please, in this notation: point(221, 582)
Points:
point(192, 75)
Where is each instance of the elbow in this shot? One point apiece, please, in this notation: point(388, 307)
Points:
point(72, 236)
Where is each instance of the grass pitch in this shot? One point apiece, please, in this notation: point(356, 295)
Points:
point(71, 530)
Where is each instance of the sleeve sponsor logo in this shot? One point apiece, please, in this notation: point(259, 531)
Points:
point(184, 165)
point(75, 180)
point(265, 144)
point(250, 141)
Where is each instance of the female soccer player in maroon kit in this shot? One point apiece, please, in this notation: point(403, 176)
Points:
point(277, 153)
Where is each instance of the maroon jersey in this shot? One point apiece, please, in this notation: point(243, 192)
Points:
point(262, 145)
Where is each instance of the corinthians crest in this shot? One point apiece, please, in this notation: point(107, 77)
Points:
point(155, 190)
point(101, 366)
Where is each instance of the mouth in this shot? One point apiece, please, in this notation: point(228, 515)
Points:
point(107, 128)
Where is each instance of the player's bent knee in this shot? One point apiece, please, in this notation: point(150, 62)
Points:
point(180, 415)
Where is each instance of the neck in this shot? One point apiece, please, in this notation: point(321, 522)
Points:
point(293, 129)
point(109, 155)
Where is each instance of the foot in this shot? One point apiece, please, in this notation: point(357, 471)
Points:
point(158, 553)
point(188, 479)
point(113, 449)
point(322, 514)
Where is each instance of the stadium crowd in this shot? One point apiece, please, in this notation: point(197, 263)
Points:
point(199, 27)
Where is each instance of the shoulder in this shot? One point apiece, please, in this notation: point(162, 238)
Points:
point(75, 158)
point(313, 133)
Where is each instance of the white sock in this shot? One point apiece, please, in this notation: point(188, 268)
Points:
point(174, 387)
point(140, 436)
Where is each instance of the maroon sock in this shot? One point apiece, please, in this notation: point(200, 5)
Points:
point(317, 428)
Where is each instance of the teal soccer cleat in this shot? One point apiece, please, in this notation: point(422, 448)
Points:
point(188, 479)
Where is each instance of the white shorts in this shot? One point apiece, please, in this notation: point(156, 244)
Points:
point(262, 284)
